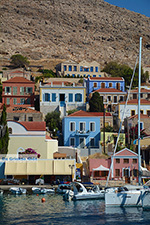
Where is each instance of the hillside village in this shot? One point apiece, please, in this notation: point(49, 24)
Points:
point(81, 145)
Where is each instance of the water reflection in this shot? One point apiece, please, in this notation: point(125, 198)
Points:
point(29, 209)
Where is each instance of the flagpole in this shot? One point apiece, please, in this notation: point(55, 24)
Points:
point(139, 92)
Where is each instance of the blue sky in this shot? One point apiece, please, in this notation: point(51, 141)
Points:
point(139, 6)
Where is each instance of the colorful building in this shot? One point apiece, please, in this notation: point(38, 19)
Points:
point(18, 91)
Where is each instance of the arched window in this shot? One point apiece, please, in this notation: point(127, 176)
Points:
point(10, 130)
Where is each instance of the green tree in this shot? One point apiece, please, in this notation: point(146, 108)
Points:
point(121, 70)
point(96, 103)
point(53, 122)
point(19, 61)
point(4, 139)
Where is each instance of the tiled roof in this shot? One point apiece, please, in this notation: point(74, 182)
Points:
point(135, 102)
point(141, 116)
point(109, 90)
point(82, 113)
point(34, 126)
point(143, 90)
point(107, 78)
point(20, 109)
point(18, 80)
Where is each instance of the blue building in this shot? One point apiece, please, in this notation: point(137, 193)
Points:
point(95, 83)
point(82, 129)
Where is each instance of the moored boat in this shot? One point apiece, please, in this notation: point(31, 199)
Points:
point(17, 191)
point(36, 190)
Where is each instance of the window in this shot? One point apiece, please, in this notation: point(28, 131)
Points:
point(86, 69)
point(53, 97)
point(141, 125)
point(72, 141)
point(81, 68)
point(132, 112)
point(135, 173)
point(126, 161)
point(102, 85)
point(82, 142)
point(28, 100)
point(141, 95)
point(29, 90)
point(10, 130)
point(92, 126)
point(65, 67)
point(134, 96)
point(30, 118)
point(15, 101)
point(7, 101)
point(109, 98)
point(22, 101)
point(118, 86)
point(141, 111)
point(7, 90)
point(70, 68)
point(16, 118)
point(95, 85)
point(115, 99)
point(96, 69)
point(70, 97)
point(91, 68)
point(148, 95)
point(75, 68)
point(72, 126)
point(148, 112)
point(92, 142)
point(22, 90)
point(47, 97)
point(121, 98)
point(78, 97)
point(82, 126)
point(110, 84)
point(14, 90)
point(117, 160)
point(117, 172)
point(93, 75)
point(134, 161)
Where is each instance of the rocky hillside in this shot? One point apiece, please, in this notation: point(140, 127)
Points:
point(73, 29)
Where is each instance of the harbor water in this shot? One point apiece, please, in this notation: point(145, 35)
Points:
point(29, 209)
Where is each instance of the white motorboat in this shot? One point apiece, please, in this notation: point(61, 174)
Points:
point(62, 188)
point(1, 192)
point(37, 190)
point(79, 192)
point(17, 191)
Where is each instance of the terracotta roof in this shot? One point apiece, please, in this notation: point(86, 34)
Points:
point(18, 80)
point(109, 90)
point(135, 102)
point(20, 109)
point(81, 113)
point(34, 126)
point(106, 78)
point(143, 90)
point(141, 116)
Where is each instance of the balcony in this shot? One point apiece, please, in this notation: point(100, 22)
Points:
point(82, 133)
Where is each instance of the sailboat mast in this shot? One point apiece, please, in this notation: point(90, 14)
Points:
point(139, 92)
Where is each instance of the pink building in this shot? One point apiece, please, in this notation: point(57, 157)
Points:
point(18, 91)
point(125, 166)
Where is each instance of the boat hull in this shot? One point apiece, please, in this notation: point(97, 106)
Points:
point(126, 198)
point(146, 200)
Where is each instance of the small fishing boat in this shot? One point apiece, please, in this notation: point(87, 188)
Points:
point(17, 191)
point(79, 192)
point(36, 190)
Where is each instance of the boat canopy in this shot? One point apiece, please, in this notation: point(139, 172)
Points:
point(101, 168)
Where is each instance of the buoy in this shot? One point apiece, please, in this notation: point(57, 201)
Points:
point(37, 194)
point(43, 199)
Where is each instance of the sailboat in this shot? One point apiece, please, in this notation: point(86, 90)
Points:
point(131, 195)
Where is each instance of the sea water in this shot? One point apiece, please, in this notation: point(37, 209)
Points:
point(29, 209)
